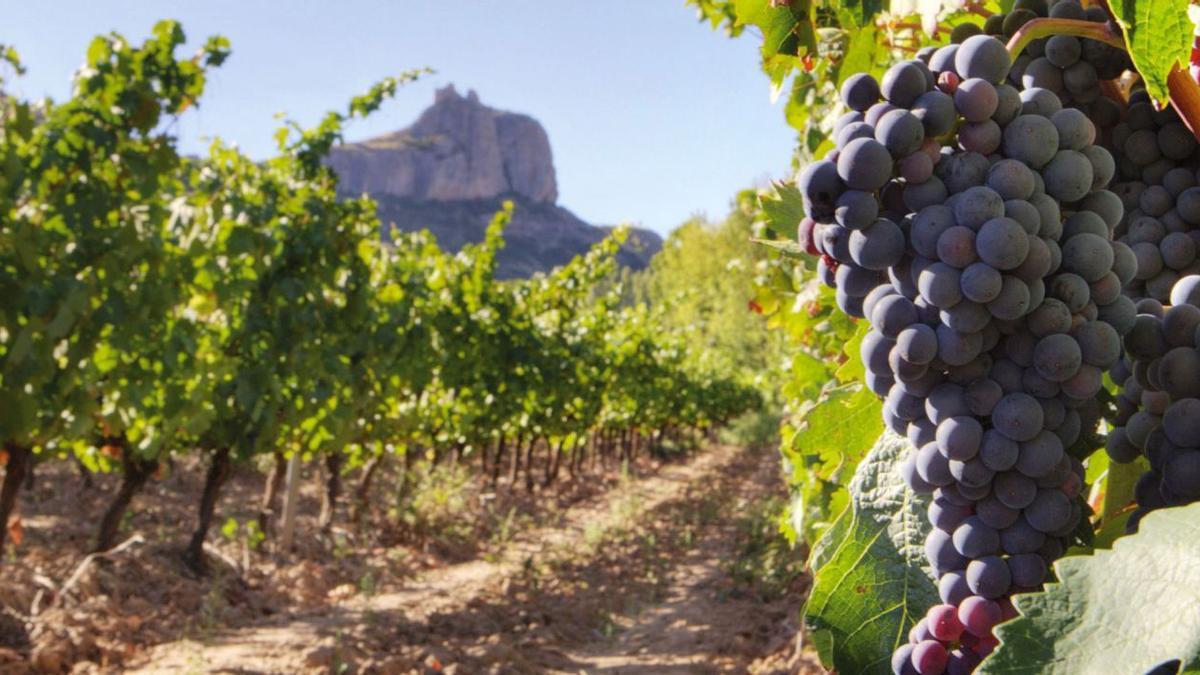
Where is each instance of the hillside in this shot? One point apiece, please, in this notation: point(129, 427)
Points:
point(450, 171)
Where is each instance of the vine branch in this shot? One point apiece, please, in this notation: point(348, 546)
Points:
point(1040, 28)
point(1185, 97)
point(1184, 92)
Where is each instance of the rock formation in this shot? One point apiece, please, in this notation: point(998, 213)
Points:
point(451, 170)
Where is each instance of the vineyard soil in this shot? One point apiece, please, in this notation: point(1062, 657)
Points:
point(626, 579)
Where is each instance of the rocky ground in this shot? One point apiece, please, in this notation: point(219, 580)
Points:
point(630, 574)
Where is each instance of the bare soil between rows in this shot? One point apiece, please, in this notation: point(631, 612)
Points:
point(621, 575)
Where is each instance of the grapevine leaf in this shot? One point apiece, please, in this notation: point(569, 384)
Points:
point(1158, 35)
point(1111, 530)
point(808, 374)
point(1122, 610)
point(834, 434)
point(829, 542)
point(860, 54)
point(863, 12)
point(776, 23)
point(853, 370)
point(784, 209)
point(788, 248)
point(872, 582)
point(785, 29)
point(838, 431)
point(1119, 482)
point(800, 103)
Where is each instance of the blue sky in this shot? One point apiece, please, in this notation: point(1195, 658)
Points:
point(652, 117)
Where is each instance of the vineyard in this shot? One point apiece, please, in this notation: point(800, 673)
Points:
point(243, 430)
point(165, 312)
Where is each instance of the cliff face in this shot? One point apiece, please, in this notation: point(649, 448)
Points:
point(452, 168)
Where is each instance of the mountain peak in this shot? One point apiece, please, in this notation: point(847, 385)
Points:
point(449, 93)
point(449, 172)
point(458, 149)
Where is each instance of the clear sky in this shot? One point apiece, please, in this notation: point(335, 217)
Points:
point(652, 117)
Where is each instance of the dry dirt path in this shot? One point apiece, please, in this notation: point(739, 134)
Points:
point(701, 625)
point(599, 590)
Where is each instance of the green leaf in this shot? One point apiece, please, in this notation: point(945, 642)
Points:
point(62, 322)
point(1158, 35)
point(784, 209)
point(788, 248)
point(808, 374)
point(1123, 610)
point(1110, 531)
point(830, 542)
point(838, 430)
point(873, 583)
point(1119, 481)
point(862, 14)
point(860, 54)
point(784, 29)
point(853, 369)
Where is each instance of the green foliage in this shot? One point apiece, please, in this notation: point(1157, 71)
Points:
point(787, 31)
point(700, 285)
point(440, 501)
point(783, 209)
point(830, 421)
point(1158, 35)
point(757, 428)
point(88, 266)
point(870, 578)
point(765, 559)
point(835, 432)
point(155, 304)
point(1118, 483)
point(248, 532)
point(1124, 610)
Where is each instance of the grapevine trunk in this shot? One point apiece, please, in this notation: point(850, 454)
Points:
point(135, 472)
point(362, 493)
point(266, 513)
point(333, 489)
point(218, 472)
point(14, 474)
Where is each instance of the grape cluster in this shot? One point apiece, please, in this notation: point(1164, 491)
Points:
point(1070, 67)
point(1157, 157)
point(968, 223)
point(1158, 409)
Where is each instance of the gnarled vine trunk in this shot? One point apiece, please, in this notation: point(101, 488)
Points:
point(555, 461)
point(595, 451)
point(266, 511)
point(578, 455)
point(497, 461)
point(135, 471)
point(218, 472)
point(333, 489)
point(406, 467)
point(14, 473)
point(515, 467)
point(362, 493)
point(529, 465)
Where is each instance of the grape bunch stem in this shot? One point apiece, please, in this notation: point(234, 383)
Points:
point(1184, 92)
